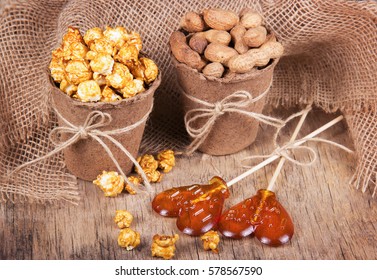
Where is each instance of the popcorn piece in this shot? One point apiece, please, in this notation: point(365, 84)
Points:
point(132, 88)
point(72, 36)
point(108, 95)
point(89, 91)
point(119, 77)
point(75, 50)
point(164, 246)
point(128, 55)
point(133, 38)
point(78, 71)
point(128, 239)
point(99, 79)
point(111, 183)
point(137, 70)
point(92, 34)
point(102, 46)
point(123, 218)
point(68, 88)
point(57, 69)
point(166, 160)
point(73, 44)
point(135, 181)
point(90, 55)
point(211, 240)
point(102, 64)
point(149, 166)
point(116, 36)
point(151, 69)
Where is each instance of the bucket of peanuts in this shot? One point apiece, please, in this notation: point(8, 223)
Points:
point(224, 64)
point(102, 93)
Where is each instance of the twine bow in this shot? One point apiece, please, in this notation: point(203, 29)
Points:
point(234, 103)
point(90, 129)
point(287, 149)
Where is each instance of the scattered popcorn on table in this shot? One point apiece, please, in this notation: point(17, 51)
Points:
point(123, 218)
point(128, 239)
point(88, 91)
point(136, 181)
point(166, 160)
point(163, 246)
point(109, 57)
point(211, 240)
point(111, 183)
point(149, 165)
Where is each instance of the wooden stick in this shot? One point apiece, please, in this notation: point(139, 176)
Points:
point(271, 184)
point(274, 157)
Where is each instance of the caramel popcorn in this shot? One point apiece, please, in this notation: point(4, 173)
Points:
point(111, 183)
point(116, 36)
point(92, 34)
point(132, 88)
point(73, 35)
point(99, 79)
point(128, 239)
point(128, 55)
point(101, 45)
point(57, 69)
point(123, 218)
point(134, 38)
point(150, 69)
point(211, 240)
point(75, 50)
point(163, 246)
point(73, 45)
point(78, 71)
point(102, 64)
point(166, 160)
point(119, 77)
point(135, 181)
point(149, 166)
point(88, 91)
point(108, 95)
point(68, 88)
point(110, 58)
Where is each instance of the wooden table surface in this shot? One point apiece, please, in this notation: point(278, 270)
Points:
point(332, 219)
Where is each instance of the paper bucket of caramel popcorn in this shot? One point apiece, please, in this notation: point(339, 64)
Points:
point(231, 131)
point(87, 158)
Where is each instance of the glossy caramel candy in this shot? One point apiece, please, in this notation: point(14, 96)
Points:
point(261, 215)
point(197, 208)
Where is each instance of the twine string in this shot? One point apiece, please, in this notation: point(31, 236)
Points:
point(210, 112)
point(90, 129)
point(287, 150)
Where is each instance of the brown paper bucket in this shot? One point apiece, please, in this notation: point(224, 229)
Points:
point(87, 158)
point(231, 132)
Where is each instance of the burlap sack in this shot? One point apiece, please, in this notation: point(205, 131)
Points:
point(231, 132)
point(330, 61)
point(87, 158)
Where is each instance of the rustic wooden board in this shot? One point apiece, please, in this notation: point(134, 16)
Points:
point(332, 219)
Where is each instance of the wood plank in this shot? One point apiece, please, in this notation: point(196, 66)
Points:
point(332, 219)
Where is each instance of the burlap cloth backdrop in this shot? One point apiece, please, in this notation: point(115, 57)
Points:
point(330, 60)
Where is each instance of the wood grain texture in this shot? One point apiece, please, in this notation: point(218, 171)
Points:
point(332, 219)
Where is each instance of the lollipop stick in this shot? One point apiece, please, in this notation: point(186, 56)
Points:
point(274, 157)
point(282, 159)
